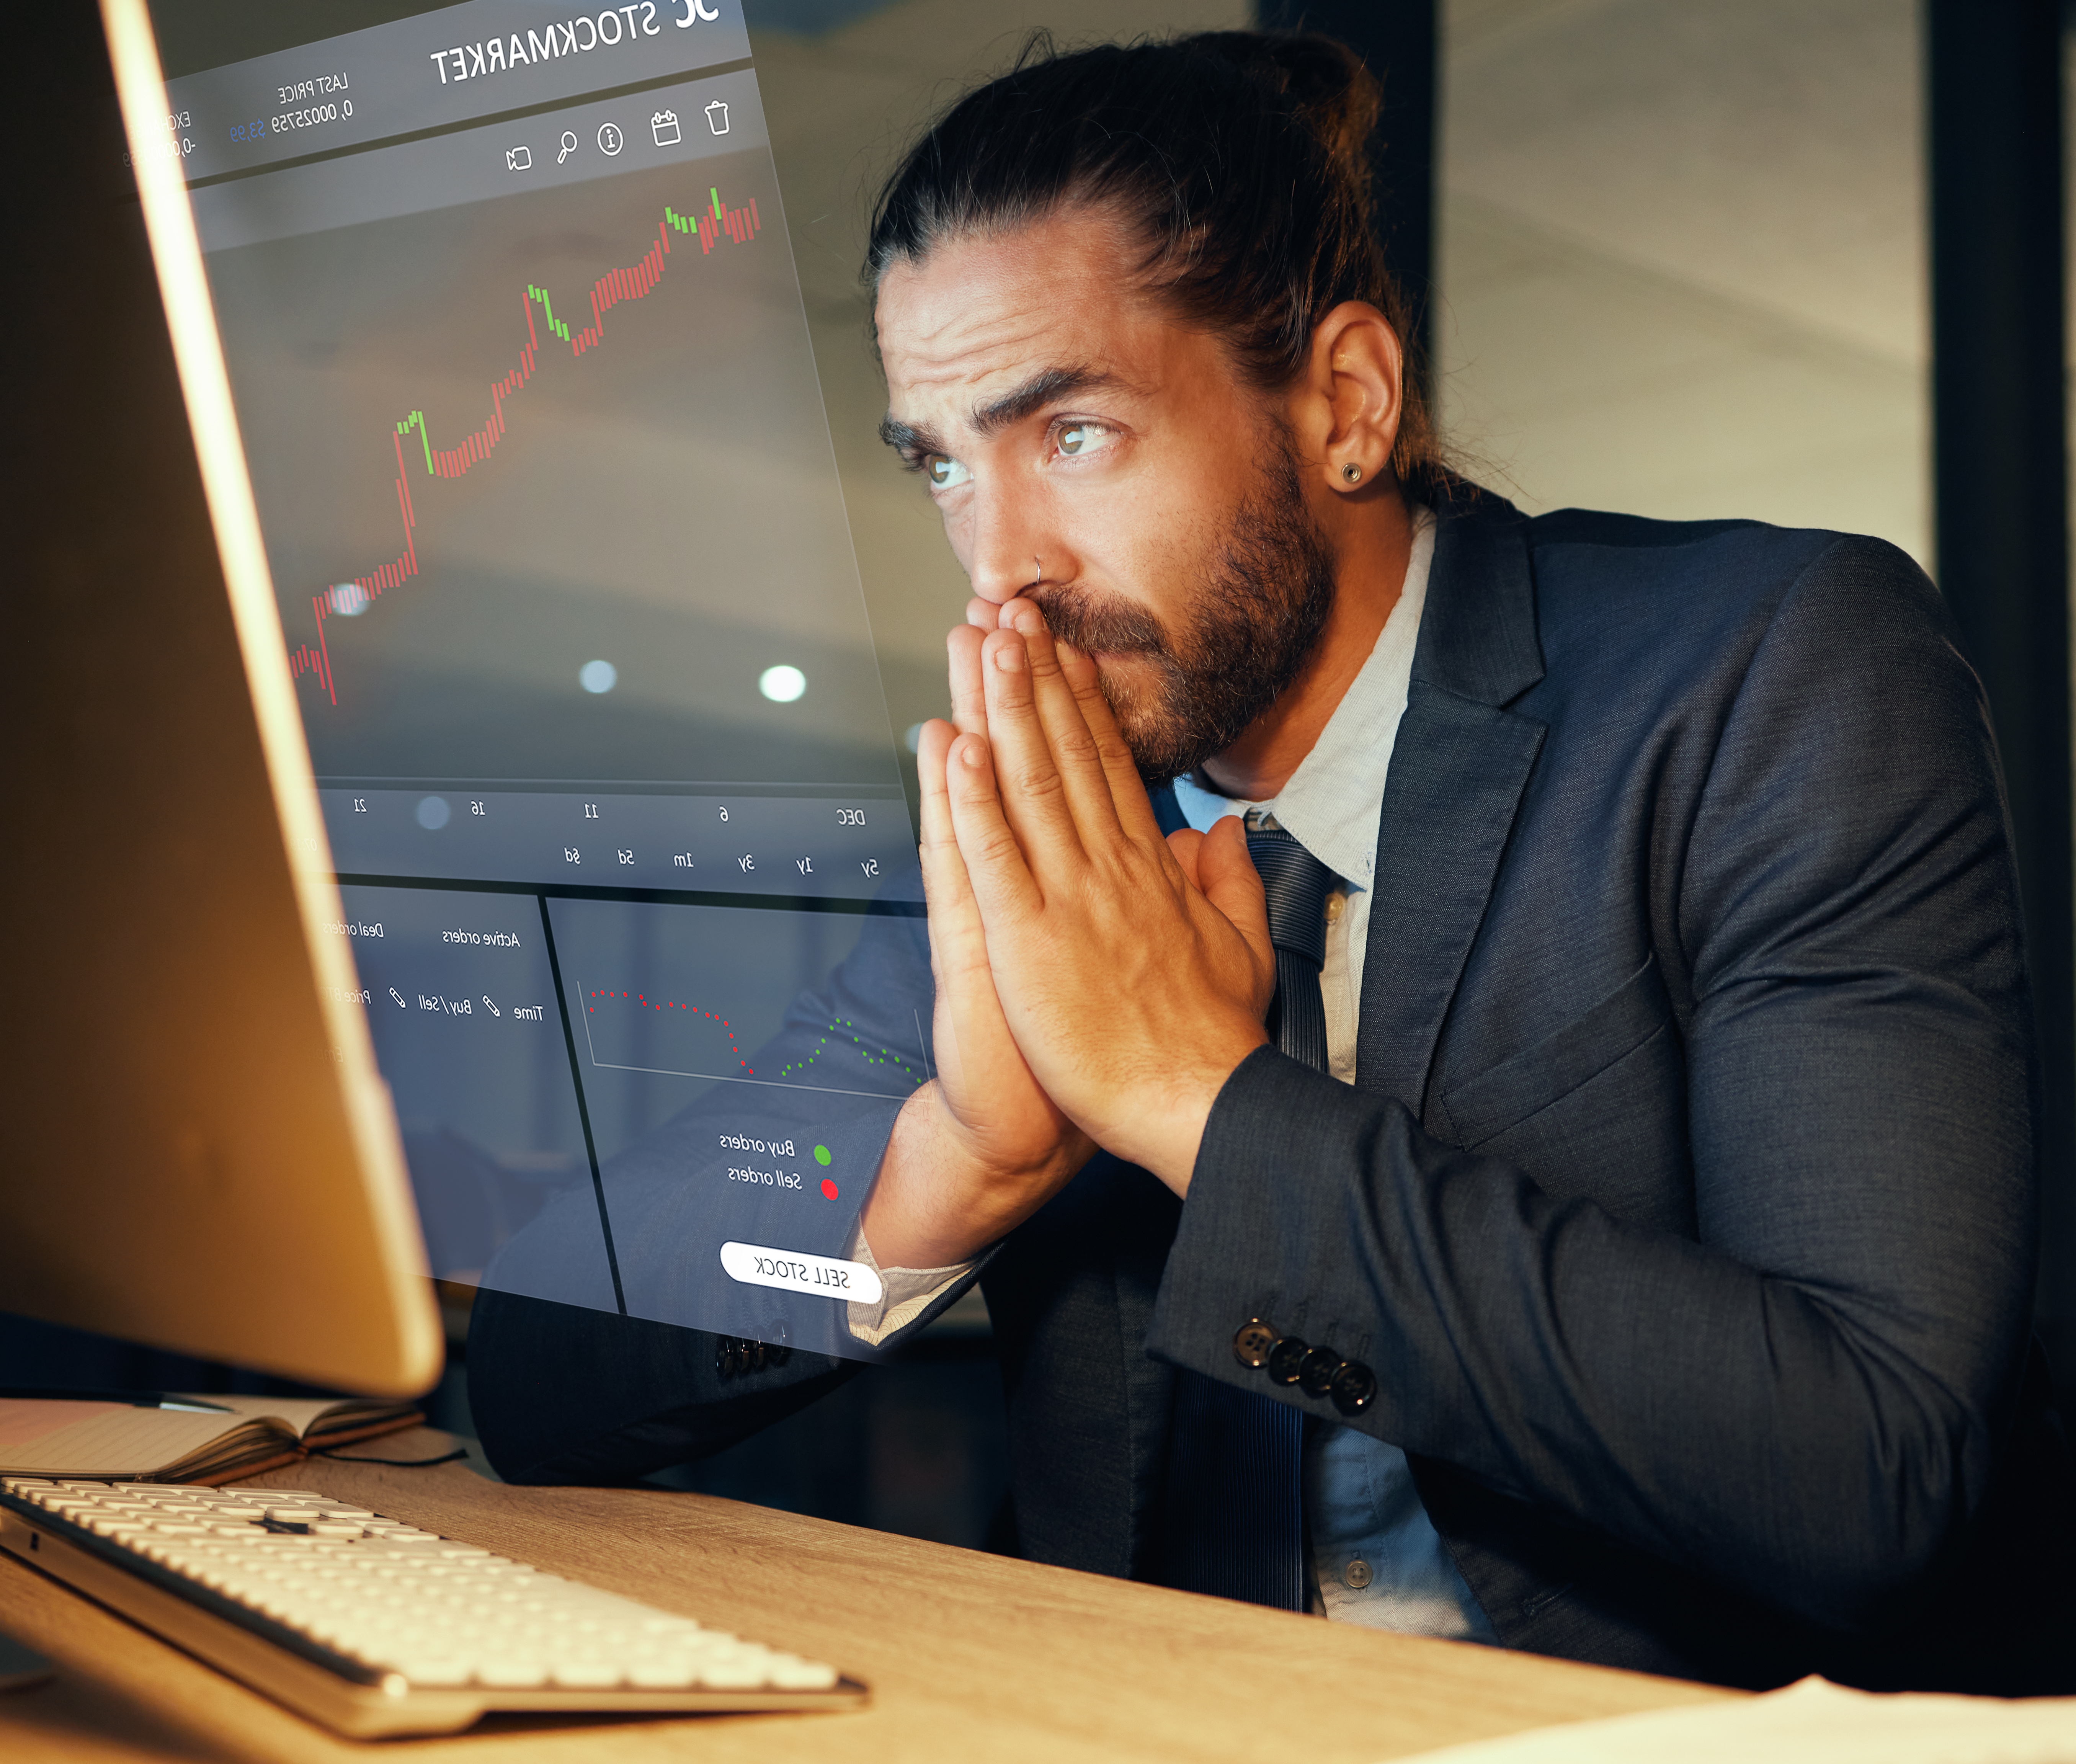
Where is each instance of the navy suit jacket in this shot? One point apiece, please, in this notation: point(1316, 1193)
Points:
point(1683, 1203)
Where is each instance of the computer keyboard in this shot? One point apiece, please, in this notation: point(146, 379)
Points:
point(376, 1628)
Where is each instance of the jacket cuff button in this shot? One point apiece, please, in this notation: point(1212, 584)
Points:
point(1285, 1358)
point(1251, 1345)
point(1317, 1370)
point(1354, 1387)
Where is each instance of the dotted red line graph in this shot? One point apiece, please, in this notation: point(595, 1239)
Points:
point(665, 1005)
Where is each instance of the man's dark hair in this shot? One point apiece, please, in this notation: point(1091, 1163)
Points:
point(1240, 160)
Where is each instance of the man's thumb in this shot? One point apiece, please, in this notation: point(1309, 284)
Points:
point(1227, 876)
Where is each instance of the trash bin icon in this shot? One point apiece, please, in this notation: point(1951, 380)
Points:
point(717, 117)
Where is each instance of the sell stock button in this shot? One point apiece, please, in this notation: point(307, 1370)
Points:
point(795, 1271)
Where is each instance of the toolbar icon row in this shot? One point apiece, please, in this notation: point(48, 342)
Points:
point(664, 129)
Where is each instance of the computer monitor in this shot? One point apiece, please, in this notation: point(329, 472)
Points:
point(201, 1155)
point(568, 604)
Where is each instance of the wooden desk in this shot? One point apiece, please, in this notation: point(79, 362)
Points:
point(967, 1655)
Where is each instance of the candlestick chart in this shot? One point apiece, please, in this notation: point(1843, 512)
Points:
point(547, 333)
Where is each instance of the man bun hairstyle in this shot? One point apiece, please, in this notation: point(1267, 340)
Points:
point(1239, 161)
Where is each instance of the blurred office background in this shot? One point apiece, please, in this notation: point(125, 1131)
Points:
point(1679, 254)
point(1678, 262)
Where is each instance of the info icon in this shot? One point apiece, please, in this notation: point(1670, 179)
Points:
point(610, 140)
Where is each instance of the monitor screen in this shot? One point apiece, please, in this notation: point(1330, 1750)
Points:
point(523, 380)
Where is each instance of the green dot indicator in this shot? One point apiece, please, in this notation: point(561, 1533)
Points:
point(821, 1154)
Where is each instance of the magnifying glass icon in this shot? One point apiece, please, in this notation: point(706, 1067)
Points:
point(569, 146)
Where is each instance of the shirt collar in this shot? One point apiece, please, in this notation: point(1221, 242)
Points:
point(1332, 804)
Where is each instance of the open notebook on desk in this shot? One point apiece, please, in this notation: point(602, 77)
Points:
point(178, 1438)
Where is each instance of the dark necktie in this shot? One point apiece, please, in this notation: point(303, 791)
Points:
point(1234, 1522)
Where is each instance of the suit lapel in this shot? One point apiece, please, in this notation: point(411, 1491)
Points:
point(1458, 768)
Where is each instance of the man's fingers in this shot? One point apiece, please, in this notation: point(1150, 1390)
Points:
point(978, 1064)
point(956, 945)
point(1032, 795)
point(993, 862)
point(1067, 733)
point(969, 702)
point(1128, 789)
point(932, 747)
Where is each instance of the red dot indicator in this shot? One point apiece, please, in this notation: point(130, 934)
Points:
point(828, 1190)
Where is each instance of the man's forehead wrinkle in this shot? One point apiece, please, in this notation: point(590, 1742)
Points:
point(955, 319)
point(972, 344)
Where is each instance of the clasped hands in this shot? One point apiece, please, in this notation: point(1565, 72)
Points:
point(1096, 982)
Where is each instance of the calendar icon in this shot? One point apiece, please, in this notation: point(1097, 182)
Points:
point(664, 125)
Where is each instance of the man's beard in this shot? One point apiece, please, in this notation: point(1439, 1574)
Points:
point(1256, 621)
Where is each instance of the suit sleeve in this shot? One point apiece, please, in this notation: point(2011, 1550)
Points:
point(1804, 1400)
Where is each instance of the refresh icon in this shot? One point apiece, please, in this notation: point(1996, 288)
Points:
point(696, 9)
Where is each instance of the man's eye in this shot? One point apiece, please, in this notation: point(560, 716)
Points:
point(944, 472)
point(1080, 439)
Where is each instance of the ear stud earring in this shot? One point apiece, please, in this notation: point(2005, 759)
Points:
point(1352, 472)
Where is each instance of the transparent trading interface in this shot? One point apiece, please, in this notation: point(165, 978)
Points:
point(524, 380)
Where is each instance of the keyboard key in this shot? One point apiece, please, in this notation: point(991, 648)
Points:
point(432, 1673)
point(678, 1674)
point(732, 1674)
point(513, 1674)
point(789, 1672)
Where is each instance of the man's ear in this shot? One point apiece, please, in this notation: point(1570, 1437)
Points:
point(1351, 397)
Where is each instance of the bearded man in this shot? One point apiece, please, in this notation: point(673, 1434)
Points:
point(1521, 1132)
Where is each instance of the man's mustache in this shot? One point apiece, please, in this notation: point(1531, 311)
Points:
point(1102, 624)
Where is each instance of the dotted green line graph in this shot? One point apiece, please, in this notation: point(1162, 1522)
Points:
point(872, 1056)
point(603, 1005)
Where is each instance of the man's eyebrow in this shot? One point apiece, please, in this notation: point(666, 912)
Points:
point(906, 439)
point(1000, 413)
point(1035, 394)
